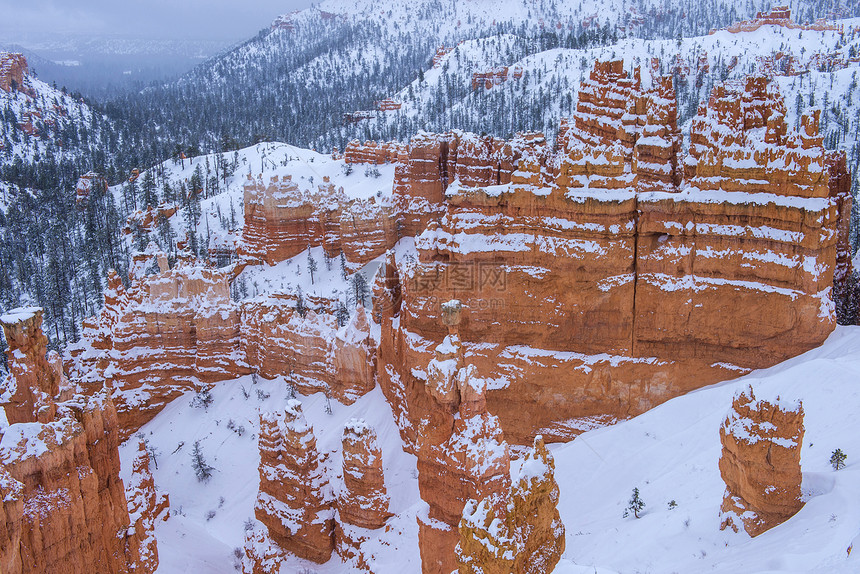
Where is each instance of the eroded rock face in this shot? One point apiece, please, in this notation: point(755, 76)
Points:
point(460, 457)
point(64, 507)
point(528, 536)
point(145, 506)
point(34, 383)
point(173, 330)
point(372, 152)
point(363, 501)
point(311, 353)
point(760, 463)
point(617, 260)
point(13, 69)
point(294, 502)
point(281, 220)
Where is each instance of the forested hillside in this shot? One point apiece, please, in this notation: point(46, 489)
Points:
point(313, 79)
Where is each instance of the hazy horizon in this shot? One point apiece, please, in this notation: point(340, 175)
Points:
point(208, 20)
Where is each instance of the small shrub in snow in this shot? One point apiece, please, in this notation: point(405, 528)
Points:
point(202, 399)
point(262, 395)
point(837, 459)
point(210, 515)
point(328, 410)
point(249, 525)
point(238, 429)
point(634, 505)
point(346, 168)
point(245, 393)
point(673, 505)
point(202, 470)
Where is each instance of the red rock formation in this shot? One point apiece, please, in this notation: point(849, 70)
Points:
point(171, 332)
point(495, 77)
point(778, 16)
point(145, 221)
point(310, 352)
point(388, 105)
point(373, 152)
point(588, 270)
point(462, 454)
point(294, 502)
point(281, 221)
point(145, 506)
point(528, 536)
point(13, 70)
point(363, 501)
point(760, 463)
point(87, 183)
point(33, 384)
point(64, 507)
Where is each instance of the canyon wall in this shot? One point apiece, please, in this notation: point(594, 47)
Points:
point(172, 331)
point(614, 274)
point(64, 505)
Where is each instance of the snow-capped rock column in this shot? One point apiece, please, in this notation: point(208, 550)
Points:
point(11, 522)
point(144, 507)
point(760, 463)
point(363, 500)
point(528, 536)
point(33, 383)
point(294, 502)
point(473, 462)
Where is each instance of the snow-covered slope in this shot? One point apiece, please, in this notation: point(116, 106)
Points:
point(669, 453)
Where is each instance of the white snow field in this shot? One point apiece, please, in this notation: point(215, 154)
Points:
point(669, 453)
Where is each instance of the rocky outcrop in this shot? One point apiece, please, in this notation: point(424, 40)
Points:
point(89, 183)
point(778, 16)
point(372, 152)
point(462, 453)
point(145, 506)
point(281, 221)
point(495, 77)
point(294, 502)
point(362, 503)
point(528, 536)
point(760, 463)
point(64, 507)
point(310, 351)
point(33, 384)
point(616, 274)
point(13, 70)
point(173, 330)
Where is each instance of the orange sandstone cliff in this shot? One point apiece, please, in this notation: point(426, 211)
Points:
point(64, 505)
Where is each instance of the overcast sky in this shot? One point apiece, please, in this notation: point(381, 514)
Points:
point(173, 19)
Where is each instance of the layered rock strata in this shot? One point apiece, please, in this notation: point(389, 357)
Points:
point(616, 274)
point(462, 453)
point(528, 536)
point(362, 503)
point(295, 503)
point(282, 221)
point(372, 152)
point(145, 506)
point(13, 70)
point(610, 276)
point(760, 463)
point(64, 507)
point(309, 351)
point(173, 330)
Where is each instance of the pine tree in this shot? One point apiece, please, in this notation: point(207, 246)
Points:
point(312, 265)
point(202, 470)
point(634, 505)
point(359, 289)
point(837, 459)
